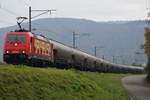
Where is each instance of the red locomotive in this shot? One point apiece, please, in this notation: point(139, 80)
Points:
point(26, 47)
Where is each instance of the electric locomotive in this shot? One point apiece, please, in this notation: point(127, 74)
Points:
point(23, 47)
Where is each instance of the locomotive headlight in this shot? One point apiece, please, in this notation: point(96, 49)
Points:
point(16, 44)
point(23, 51)
point(7, 51)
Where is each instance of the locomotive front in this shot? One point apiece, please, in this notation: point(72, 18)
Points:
point(16, 47)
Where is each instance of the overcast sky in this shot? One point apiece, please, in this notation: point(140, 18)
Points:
point(98, 10)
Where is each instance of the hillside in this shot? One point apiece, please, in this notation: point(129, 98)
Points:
point(25, 83)
point(119, 39)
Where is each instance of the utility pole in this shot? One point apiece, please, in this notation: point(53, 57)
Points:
point(30, 16)
point(30, 19)
point(103, 57)
point(113, 59)
point(95, 51)
point(74, 37)
point(74, 40)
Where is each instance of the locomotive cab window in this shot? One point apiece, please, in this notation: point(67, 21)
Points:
point(16, 38)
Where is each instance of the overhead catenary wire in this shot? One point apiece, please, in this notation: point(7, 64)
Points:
point(69, 30)
point(9, 11)
point(26, 4)
point(47, 30)
point(6, 22)
point(73, 30)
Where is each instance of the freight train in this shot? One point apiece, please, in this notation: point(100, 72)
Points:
point(24, 47)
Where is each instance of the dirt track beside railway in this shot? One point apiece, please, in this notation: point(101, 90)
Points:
point(137, 87)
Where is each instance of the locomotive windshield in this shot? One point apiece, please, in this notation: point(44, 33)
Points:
point(16, 38)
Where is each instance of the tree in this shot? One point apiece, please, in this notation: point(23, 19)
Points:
point(147, 49)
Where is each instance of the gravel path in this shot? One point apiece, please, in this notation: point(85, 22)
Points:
point(137, 87)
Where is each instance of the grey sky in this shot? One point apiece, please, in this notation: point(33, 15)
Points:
point(98, 10)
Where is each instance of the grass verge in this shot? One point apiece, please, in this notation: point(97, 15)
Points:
point(148, 78)
point(25, 83)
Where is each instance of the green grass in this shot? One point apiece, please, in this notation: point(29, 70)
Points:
point(25, 83)
point(148, 78)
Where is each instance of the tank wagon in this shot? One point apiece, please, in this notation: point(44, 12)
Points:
point(23, 47)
